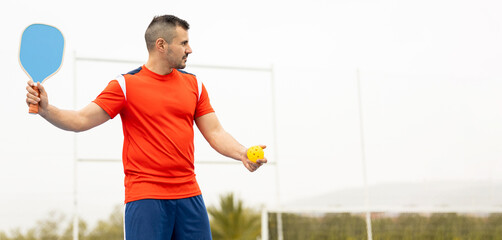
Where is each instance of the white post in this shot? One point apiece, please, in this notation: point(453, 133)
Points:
point(264, 224)
point(276, 153)
point(75, 157)
point(363, 159)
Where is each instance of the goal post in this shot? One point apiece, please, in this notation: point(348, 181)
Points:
point(81, 154)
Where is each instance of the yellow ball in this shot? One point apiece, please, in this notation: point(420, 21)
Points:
point(254, 153)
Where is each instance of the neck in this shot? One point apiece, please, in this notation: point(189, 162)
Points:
point(158, 66)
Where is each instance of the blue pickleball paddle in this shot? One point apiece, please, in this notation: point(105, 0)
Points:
point(41, 53)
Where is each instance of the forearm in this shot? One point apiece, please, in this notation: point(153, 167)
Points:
point(64, 119)
point(88, 117)
point(225, 144)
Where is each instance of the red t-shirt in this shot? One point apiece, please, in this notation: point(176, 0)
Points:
point(158, 113)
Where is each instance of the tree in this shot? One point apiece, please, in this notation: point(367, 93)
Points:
point(82, 229)
point(49, 229)
point(233, 221)
point(3, 236)
point(18, 235)
point(112, 229)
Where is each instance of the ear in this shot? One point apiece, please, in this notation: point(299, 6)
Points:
point(161, 45)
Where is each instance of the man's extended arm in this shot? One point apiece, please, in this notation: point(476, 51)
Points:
point(86, 118)
point(223, 142)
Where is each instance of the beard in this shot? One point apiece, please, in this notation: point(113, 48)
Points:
point(182, 64)
point(174, 61)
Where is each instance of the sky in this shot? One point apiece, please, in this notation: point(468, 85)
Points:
point(430, 83)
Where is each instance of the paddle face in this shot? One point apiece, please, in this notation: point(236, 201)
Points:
point(41, 51)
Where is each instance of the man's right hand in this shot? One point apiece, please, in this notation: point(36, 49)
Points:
point(32, 97)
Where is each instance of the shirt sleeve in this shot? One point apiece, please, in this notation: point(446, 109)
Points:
point(203, 105)
point(111, 99)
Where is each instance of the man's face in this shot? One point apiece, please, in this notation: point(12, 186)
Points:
point(178, 49)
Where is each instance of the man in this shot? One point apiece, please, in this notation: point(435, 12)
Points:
point(158, 105)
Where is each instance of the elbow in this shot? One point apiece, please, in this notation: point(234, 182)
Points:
point(81, 128)
point(79, 125)
point(71, 129)
point(77, 130)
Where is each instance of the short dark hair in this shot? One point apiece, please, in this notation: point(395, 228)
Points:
point(163, 27)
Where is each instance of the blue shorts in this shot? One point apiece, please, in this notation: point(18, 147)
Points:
point(158, 219)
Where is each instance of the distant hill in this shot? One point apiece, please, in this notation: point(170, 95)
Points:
point(426, 196)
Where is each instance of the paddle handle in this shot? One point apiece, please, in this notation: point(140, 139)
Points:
point(34, 107)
